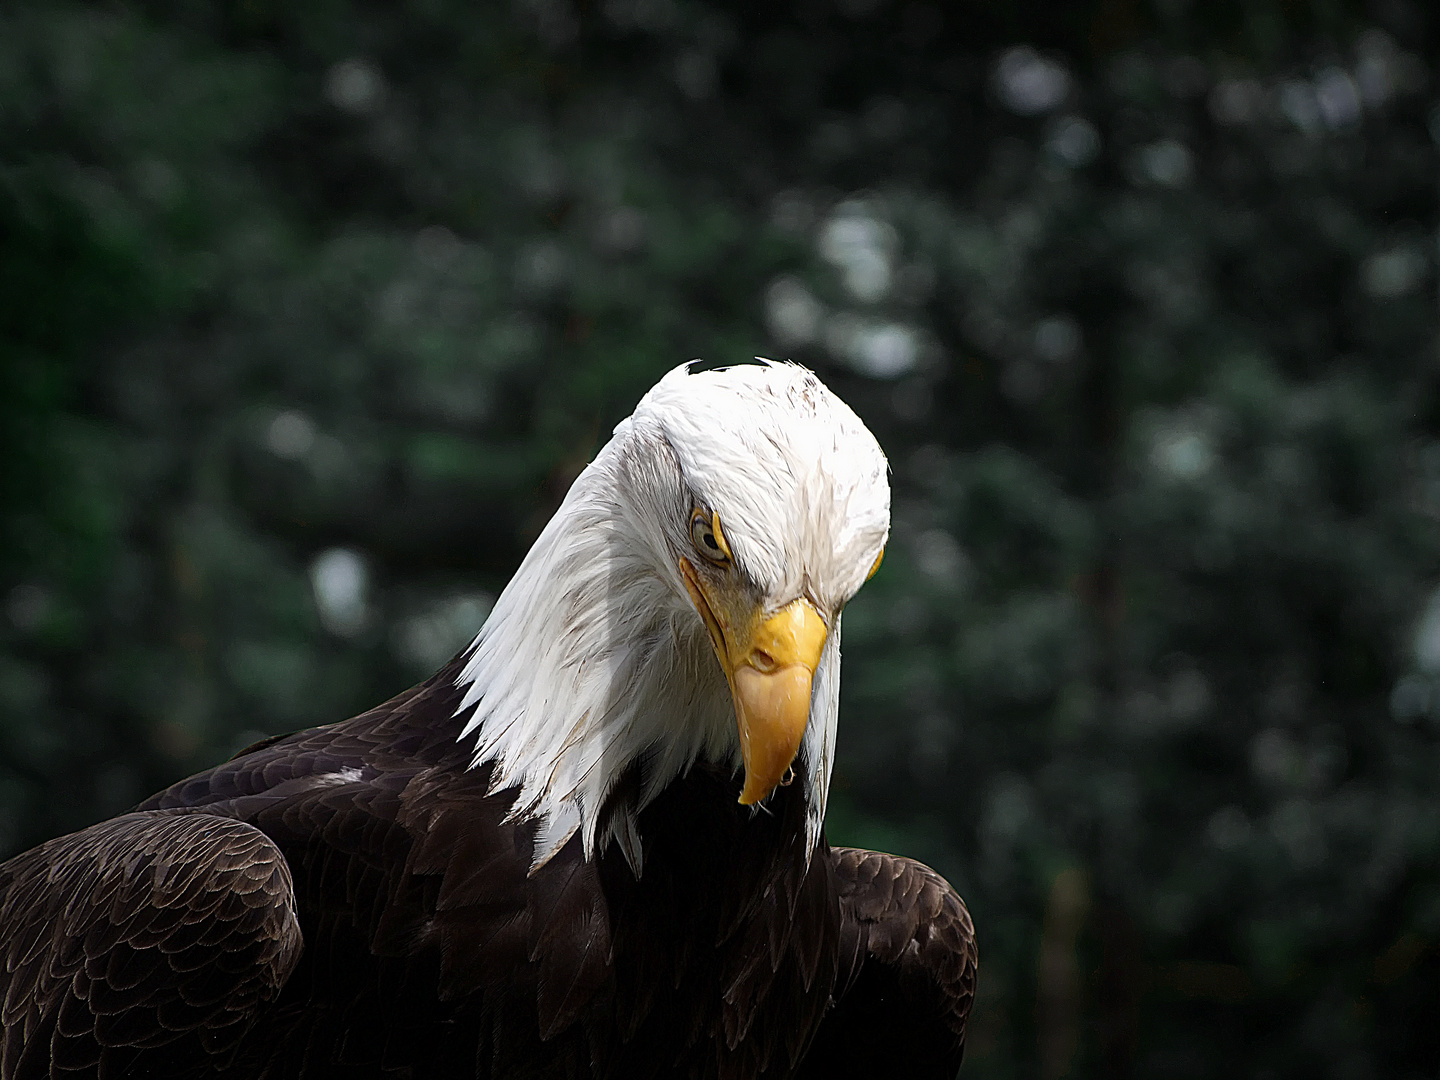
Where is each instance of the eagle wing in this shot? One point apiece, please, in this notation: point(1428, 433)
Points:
point(155, 933)
point(908, 965)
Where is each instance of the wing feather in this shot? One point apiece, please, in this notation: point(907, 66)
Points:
point(908, 965)
point(134, 934)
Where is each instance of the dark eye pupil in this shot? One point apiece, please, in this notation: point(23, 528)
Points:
point(710, 541)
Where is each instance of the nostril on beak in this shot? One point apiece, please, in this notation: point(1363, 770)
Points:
point(762, 661)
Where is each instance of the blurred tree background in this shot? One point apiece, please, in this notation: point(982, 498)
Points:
point(310, 312)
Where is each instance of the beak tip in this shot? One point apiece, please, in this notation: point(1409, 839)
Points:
point(752, 794)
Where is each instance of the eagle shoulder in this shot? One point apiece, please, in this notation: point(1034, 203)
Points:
point(908, 966)
point(159, 932)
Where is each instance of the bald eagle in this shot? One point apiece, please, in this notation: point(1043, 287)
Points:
point(583, 848)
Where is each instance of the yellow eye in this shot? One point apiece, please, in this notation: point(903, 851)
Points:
point(876, 564)
point(707, 537)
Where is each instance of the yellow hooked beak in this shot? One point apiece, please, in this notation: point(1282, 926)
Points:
point(770, 663)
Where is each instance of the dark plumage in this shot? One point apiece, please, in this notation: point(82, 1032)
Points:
point(349, 901)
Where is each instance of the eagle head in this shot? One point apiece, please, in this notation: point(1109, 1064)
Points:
point(729, 519)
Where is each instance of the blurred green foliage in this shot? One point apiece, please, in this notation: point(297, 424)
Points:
point(309, 313)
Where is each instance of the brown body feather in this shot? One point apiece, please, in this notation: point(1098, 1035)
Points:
point(351, 901)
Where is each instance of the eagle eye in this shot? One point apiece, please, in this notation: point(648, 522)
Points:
point(707, 536)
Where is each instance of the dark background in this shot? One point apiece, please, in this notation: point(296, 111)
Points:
point(309, 313)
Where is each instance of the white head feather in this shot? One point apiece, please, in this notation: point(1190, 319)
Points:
point(594, 658)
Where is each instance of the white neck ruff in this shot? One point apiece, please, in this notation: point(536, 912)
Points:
point(593, 661)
